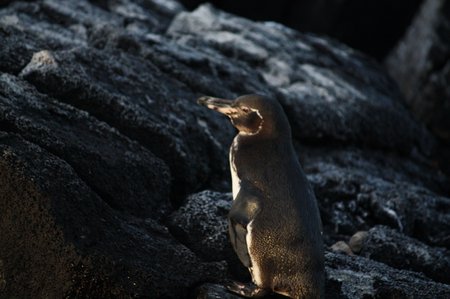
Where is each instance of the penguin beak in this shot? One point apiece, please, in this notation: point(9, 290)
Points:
point(220, 105)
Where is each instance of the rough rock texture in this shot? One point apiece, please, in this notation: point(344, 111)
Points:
point(136, 103)
point(352, 199)
point(201, 222)
point(373, 26)
point(86, 71)
point(397, 250)
point(357, 277)
point(105, 156)
point(214, 291)
point(59, 238)
point(381, 276)
point(322, 98)
point(426, 82)
point(126, 175)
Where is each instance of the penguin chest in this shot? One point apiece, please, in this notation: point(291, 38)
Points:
point(235, 180)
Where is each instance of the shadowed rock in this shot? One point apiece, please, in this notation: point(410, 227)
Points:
point(350, 199)
point(104, 146)
point(329, 91)
point(127, 176)
point(163, 118)
point(421, 65)
point(349, 277)
point(60, 239)
point(373, 26)
point(202, 224)
point(213, 291)
point(397, 250)
point(357, 277)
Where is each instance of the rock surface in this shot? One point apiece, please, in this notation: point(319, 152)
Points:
point(60, 239)
point(352, 199)
point(357, 277)
point(372, 26)
point(202, 224)
point(397, 250)
point(426, 82)
point(329, 91)
point(108, 166)
point(126, 175)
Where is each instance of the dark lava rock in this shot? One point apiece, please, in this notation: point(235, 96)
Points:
point(104, 147)
point(162, 117)
point(397, 250)
point(329, 91)
point(373, 26)
point(421, 65)
point(347, 277)
point(127, 176)
point(352, 199)
point(390, 166)
point(201, 223)
point(358, 277)
point(60, 240)
point(63, 19)
point(217, 291)
point(214, 291)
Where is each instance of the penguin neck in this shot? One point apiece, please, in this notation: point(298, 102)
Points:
point(251, 156)
point(259, 147)
point(262, 135)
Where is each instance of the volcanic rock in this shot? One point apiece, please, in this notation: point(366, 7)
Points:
point(113, 180)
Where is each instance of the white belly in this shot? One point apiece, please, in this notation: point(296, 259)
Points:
point(235, 181)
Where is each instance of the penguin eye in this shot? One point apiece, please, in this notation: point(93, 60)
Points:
point(245, 109)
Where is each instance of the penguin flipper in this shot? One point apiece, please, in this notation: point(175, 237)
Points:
point(238, 234)
point(243, 211)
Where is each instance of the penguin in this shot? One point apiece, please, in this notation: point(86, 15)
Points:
point(274, 222)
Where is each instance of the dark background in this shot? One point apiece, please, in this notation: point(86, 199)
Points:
point(372, 26)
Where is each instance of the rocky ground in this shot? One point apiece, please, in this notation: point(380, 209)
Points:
point(114, 182)
point(372, 26)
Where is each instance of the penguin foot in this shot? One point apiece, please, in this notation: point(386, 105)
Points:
point(247, 290)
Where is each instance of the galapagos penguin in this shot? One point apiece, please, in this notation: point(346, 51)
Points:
point(274, 221)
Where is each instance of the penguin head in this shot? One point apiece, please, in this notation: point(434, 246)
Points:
point(252, 115)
